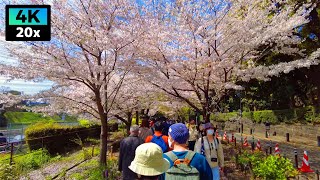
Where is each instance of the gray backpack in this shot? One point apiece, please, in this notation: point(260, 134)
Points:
point(181, 169)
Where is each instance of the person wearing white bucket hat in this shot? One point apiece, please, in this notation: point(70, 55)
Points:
point(148, 162)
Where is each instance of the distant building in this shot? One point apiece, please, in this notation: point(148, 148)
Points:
point(38, 102)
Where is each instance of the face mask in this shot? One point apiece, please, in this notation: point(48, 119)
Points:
point(170, 143)
point(210, 132)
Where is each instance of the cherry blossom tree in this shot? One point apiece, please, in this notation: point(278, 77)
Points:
point(91, 51)
point(8, 99)
point(199, 50)
point(133, 96)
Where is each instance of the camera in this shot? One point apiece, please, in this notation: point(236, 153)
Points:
point(214, 159)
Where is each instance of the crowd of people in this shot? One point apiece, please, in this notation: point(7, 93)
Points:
point(162, 149)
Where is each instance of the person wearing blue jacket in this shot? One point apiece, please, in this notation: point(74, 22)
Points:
point(178, 138)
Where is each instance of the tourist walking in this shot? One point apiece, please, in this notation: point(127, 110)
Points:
point(212, 150)
point(193, 133)
point(144, 130)
point(188, 164)
point(158, 138)
point(127, 152)
point(149, 163)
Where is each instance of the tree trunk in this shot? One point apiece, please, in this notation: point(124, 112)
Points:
point(137, 118)
point(103, 142)
point(206, 116)
point(318, 101)
point(129, 122)
point(104, 130)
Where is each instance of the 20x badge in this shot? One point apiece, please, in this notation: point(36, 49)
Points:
point(28, 23)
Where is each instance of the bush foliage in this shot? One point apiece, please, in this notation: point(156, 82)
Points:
point(23, 164)
point(8, 172)
point(274, 167)
point(308, 114)
point(33, 160)
point(270, 167)
point(57, 138)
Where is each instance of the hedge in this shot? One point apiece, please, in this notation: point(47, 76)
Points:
point(309, 114)
point(57, 138)
point(223, 116)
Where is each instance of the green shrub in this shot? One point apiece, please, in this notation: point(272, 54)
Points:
point(312, 114)
point(113, 126)
point(247, 158)
point(8, 172)
point(5, 158)
point(271, 167)
point(222, 117)
point(118, 135)
point(286, 115)
point(274, 167)
point(57, 138)
point(263, 116)
point(299, 113)
point(122, 126)
point(32, 160)
point(309, 114)
point(85, 123)
point(247, 115)
point(97, 173)
point(24, 163)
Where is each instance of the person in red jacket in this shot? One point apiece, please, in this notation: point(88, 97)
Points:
point(158, 138)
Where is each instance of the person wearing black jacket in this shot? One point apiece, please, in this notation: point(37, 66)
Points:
point(127, 153)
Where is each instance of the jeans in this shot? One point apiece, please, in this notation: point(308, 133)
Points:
point(216, 173)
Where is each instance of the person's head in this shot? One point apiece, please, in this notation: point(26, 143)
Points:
point(151, 122)
point(145, 117)
point(148, 162)
point(171, 121)
point(192, 122)
point(162, 119)
point(145, 123)
point(209, 128)
point(134, 130)
point(158, 126)
point(178, 135)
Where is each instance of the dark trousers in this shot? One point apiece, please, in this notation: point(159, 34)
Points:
point(191, 145)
